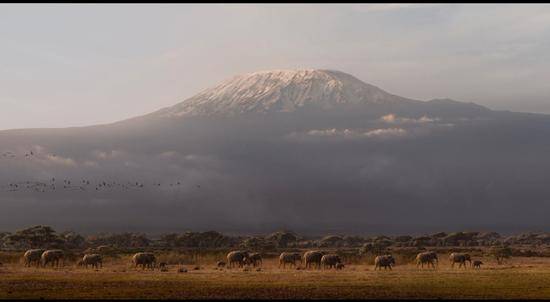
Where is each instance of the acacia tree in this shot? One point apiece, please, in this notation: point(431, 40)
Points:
point(500, 253)
point(376, 248)
point(40, 236)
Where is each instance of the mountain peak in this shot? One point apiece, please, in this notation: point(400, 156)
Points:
point(281, 91)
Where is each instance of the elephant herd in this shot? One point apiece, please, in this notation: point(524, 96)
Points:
point(41, 257)
point(310, 259)
point(430, 259)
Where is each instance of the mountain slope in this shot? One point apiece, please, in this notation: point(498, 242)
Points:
point(310, 150)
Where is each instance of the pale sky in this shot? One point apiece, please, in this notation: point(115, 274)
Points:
point(73, 65)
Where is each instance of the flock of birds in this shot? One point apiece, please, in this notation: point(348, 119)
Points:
point(53, 185)
point(82, 185)
point(12, 155)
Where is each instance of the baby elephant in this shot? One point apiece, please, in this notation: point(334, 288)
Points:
point(339, 266)
point(477, 263)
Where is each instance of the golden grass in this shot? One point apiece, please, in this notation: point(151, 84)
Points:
point(519, 278)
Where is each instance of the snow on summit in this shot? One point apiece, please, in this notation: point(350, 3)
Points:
point(281, 91)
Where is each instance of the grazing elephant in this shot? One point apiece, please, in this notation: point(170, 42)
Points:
point(33, 256)
point(52, 256)
point(289, 258)
point(330, 260)
point(429, 258)
point(459, 258)
point(145, 260)
point(311, 257)
point(95, 260)
point(254, 259)
point(385, 261)
point(339, 266)
point(477, 263)
point(238, 257)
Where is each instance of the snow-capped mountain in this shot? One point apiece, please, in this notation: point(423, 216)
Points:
point(282, 91)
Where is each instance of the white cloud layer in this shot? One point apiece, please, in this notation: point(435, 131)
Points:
point(357, 133)
point(394, 119)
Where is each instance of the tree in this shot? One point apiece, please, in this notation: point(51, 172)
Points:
point(73, 240)
point(283, 238)
point(500, 253)
point(376, 248)
point(39, 236)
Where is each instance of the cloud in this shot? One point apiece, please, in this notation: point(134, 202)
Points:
point(331, 132)
point(99, 154)
point(388, 132)
point(168, 154)
point(353, 133)
point(387, 7)
point(59, 160)
point(90, 163)
point(393, 119)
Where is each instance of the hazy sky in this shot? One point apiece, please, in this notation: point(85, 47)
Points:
point(70, 65)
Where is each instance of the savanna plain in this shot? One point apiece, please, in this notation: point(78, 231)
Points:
point(198, 276)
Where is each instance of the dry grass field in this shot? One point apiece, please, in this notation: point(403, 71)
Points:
point(518, 278)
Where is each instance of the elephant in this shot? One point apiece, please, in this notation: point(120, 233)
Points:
point(385, 261)
point(95, 260)
point(289, 258)
point(330, 260)
point(52, 256)
point(459, 258)
point(145, 260)
point(313, 257)
point(428, 258)
point(33, 256)
point(238, 257)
